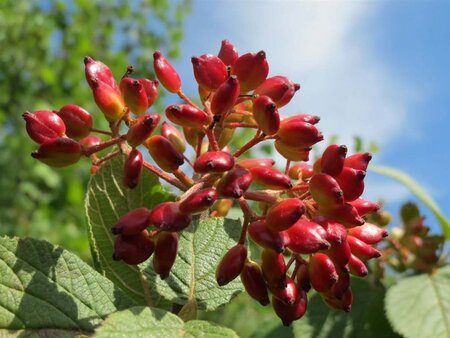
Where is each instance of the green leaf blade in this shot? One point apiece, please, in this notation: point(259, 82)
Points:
point(106, 201)
point(157, 323)
point(419, 306)
point(46, 287)
point(201, 247)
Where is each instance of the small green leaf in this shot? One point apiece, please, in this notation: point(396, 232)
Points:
point(418, 191)
point(45, 287)
point(106, 201)
point(419, 306)
point(151, 322)
point(365, 320)
point(200, 249)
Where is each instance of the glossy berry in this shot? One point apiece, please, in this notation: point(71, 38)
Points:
point(264, 237)
point(209, 71)
point(173, 135)
point(322, 272)
point(231, 265)
point(271, 178)
point(292, 153)
point(97, 71)
point(90, 141)
point(301, 171)
point(333, 159)
point(288, 294)
point(299, 134)
point(77, 120)
point(59, 152)
point(108, 100)
point(326, 191)
point(225, 96)
point(214, 162)
point(134, 95)
point(234, 183)
point(166, 216)
point(142, 128)
point(165, 253)
point(289, 313)
point(306, 237)
point(284, 214)
point(357, 267)
point(362, 250)
point(186, 116)
point(251, 70)
point(166, 74)
point(228, 53)
point(273, 268)
point(279, 88)
point(132, 223)
point(254, 284)
point(134, 249)
point(358, 161)
point(351, 181)
point(198, 201)
point(132, 169)
point(365, 207)
point(345, 214)
point(151, 90)
point(266, 114)
point(164, 153)
point(368, 233)
point(44, 125)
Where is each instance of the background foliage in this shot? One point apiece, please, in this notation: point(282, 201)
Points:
point(43, 44)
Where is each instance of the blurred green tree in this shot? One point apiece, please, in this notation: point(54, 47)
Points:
point(41, 67)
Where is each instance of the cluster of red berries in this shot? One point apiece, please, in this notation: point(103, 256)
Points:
point(311, 226)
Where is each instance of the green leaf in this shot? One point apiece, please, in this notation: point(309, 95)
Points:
point(201, 245)
point(200, 249)
point(106, 201)
point(418, 191)
point(45, 287)
point(419, 306)
point(365, 320)
point(145, 322)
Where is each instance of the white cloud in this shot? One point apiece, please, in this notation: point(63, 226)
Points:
point(325, 46)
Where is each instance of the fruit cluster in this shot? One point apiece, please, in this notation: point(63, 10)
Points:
point(310, 224)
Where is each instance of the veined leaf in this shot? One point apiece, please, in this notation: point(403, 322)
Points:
point(44, 290)
point(419, 306)
point(151, 322)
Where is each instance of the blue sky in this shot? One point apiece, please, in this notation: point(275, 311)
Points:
point(378, 69)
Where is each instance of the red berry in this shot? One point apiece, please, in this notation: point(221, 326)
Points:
point(306, 237)
point(336, 232)
point(299, 134)
point(165, 253)
point(142, 128)
point(284, 214)
point(292, 153)
point(357, 267)
point(225, 96)
point(59, 152)
point(98, 71)
point(263, 236)
point(279, 88)
point(333, 159)
point(151, 90)
point(166, 74)
point(166, 216)
point(345, 214)
point(209, 71)
point(90, 141)
point(301, 171)
point(362, 250)
point(234, 183)
point(340, 254)
point(134, 95)
point(266, 114)
point(288, 295)
point(214, 162)
point(132, 223)
point(231, 264)
point(198, 201)
point(322, 272)
point(365, 207)
point(251, 69)
point(228, 53)
point(164, 153)
point(351, 182)
point(254, 284)
point(44, 125)
point(289, 313)
point(368, 233)
point(358, 161)
point(109, 101)
point(255, 162)
point(271, 178)
point(133, 249)
point(187, 116)
point(78, 121)
point(326, 191)
point(132, 169)
point(273, 268)
point(173, 135)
